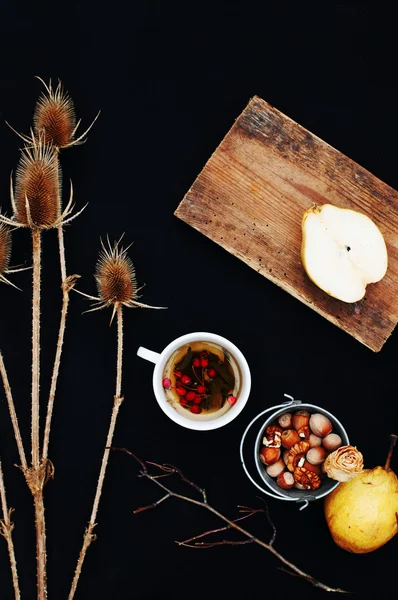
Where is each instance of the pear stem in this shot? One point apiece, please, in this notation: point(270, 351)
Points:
point(393, 441)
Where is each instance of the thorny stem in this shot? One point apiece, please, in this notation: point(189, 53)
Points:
point(118, 399)
point(6, 527)
point(231, 524)
point(35, 475)
point(393, 441)
point(36, 246)
point(13, 415)
point(61, 333)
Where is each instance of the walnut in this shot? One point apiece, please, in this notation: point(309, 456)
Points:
point(308, 479)
point(272, 438)
point(296, 452)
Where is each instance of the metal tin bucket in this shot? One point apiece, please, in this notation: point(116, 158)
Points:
point(292, 495)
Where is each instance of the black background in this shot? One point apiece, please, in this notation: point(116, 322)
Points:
point(170, 78)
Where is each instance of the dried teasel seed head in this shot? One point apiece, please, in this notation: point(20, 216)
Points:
point(55, 116)
point(37, 200)
point(115, 276)
point(5, 248)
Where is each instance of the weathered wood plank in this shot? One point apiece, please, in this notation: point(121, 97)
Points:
point(250, 198)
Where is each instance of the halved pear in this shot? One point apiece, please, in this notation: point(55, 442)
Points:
point(342, 251)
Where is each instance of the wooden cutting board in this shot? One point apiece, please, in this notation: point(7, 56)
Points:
point(250, 198)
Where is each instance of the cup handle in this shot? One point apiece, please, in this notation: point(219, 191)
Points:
point(148, 354)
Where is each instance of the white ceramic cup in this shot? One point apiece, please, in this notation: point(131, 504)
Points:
point(173, 409)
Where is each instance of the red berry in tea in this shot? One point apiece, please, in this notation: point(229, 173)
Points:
point(166, 383)
point(205, 378)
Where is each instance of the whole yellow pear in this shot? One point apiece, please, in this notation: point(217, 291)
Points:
point(362, 513)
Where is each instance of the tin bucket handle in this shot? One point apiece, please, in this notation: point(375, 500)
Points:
point(291, 402)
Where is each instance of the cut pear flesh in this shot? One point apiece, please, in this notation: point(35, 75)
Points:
point(342, 251)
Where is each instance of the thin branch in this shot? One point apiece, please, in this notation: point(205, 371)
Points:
point(231, 524)
point(13, 415)
point(118, 399)
point(6, 527)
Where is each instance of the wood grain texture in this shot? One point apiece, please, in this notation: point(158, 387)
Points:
point(250, 198)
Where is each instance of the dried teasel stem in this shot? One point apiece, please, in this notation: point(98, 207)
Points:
point(36, 248)
point(118, 399)
point(6, 527)
point(67, 284)
point(13, 415)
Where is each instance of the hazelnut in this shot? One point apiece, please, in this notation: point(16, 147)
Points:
point(269, 455)
point(301, 418)
point(332, 441)
point(289, 438)
point(316, 456)
point(304, 432)
point(286, 421)
point(315, 440)
point(285, 455)
point(276, 468)
point(310, 467)
point(285, 480)
point(320, 425)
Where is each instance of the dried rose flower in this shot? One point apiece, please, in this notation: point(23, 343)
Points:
point(344, 464)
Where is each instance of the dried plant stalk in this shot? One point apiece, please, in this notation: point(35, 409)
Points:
point(36, 251)
point(118, 399)
point(6, 527)
point(67, 284)
point(13, 415)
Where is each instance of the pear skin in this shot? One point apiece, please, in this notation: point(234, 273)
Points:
point(362, 513)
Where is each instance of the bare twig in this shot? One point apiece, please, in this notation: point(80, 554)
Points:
point(6, 527)
point(231, 524)
point(13, 415)
point(89, 536)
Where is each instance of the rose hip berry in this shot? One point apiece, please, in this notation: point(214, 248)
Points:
point(181, 391)
point(231, 399)
point(166, 383)
point(204, 362)
point(198, 400)
point(195, 409)
point(185, 379)
point(196, 362)
point(177, 374)
point(190, 396)
point(201, 389)
point(212, 372)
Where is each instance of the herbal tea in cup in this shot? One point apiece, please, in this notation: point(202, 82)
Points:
point(203, 379)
